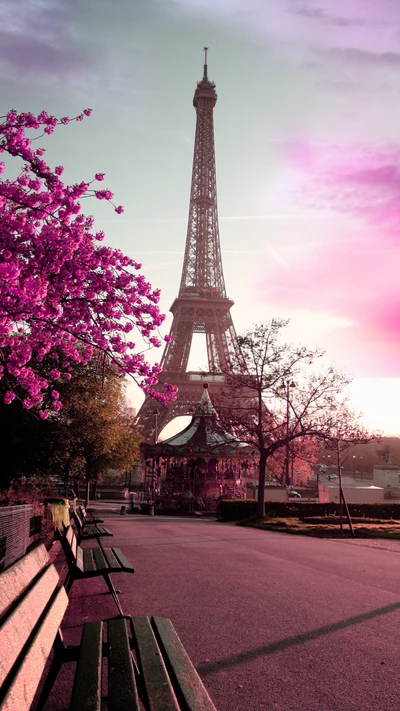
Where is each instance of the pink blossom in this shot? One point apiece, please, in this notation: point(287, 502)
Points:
point(119, 209)
point(43, 414)
point(63, 295)
point(104, 194)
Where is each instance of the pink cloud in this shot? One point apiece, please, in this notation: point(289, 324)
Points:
point(355, 280)
point(356, 180)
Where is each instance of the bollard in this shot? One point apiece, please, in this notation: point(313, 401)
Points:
point(151, 510)
point(123, 510)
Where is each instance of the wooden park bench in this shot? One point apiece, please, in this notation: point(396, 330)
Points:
point(92, 562)
point(148, 667)
point(88, 531)
point(88, 518)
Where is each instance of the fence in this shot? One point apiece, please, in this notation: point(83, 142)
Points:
point(18, 530)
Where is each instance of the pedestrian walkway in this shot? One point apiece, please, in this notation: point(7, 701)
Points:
point(269, 620)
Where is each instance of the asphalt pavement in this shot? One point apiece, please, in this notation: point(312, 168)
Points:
point(270, 621)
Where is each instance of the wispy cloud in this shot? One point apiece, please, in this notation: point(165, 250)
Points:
point(358, 33)
point(364, 58)
point(38, 37)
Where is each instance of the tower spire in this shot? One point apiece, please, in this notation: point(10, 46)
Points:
point(205, 75)
point(202, 305)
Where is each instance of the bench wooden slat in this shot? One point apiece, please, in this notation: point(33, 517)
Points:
point(71, 538)
point(122, 560)
point(88, 562)
point(158, 688)
point(101, 563)
point(23, 688)
point(16, 578)
point(183, 674)
point(90, 531)
point(19, 624)
point(122, 690)
point(79, 559)
point(86, 693)
point(78, 522)
point(111, 559)
point(104, 531)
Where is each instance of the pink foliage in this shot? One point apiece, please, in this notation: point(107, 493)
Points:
point(62, 294)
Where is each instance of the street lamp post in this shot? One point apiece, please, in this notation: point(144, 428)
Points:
point(287, 385)
point(156, 414)
point(154, 473)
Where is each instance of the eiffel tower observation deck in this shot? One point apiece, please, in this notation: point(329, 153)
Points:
point(202, 305)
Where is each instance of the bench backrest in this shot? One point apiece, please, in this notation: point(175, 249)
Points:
point(32, 610)
point(77, 521)
point(17, 577)
point(83, 513)
point(73, 552)
point(72, 542)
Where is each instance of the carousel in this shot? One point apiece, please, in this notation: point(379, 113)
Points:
point(203, 462)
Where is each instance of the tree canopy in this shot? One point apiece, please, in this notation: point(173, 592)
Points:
point(62, 293)
point(93, 432)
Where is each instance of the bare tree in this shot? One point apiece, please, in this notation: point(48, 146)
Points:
point(275, 395)
point(347, 432)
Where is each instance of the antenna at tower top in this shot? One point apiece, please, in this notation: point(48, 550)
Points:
point(205, 63)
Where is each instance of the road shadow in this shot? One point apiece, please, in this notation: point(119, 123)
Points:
point(251, 654)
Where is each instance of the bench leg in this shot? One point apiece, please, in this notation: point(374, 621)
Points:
point(68, 583)
point(113, 592)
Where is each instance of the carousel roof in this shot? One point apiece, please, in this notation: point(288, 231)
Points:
point(204, 435)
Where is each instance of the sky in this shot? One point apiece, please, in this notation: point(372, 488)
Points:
point(307, 134)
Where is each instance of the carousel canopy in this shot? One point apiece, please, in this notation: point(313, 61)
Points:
point(204, 436)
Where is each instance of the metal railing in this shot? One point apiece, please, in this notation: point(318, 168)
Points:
point(18, 528)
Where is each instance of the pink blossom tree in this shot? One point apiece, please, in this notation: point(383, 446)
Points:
point(62, 294)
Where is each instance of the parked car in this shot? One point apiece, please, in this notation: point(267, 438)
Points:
point(293, 494)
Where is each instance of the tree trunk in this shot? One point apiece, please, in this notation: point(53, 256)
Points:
point(87, 497)
point(261, 486)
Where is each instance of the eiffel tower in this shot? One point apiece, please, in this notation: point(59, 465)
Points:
point(202, 305)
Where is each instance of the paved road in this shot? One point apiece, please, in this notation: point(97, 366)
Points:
point(271, 621)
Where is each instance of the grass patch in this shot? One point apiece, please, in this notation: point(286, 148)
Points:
point(327, 526)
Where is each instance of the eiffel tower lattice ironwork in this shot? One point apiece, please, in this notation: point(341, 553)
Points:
point(202, 305)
